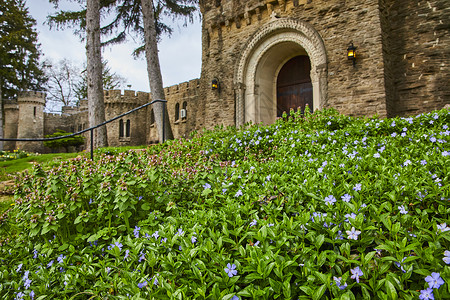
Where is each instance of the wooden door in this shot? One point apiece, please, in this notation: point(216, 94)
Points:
point(294, 88)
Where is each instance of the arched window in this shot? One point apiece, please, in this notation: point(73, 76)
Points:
point(177, 112)
point(120, 128)
point(184, 114)
point(152, 117)
point(127, 129)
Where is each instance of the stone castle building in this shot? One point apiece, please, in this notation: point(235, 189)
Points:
point(263, 57)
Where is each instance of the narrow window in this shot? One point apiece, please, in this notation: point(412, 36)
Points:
point(184, 115)
point(34, 111)
point(121, 129)
point(177, 111)
point(152, 117)
point(127, 129)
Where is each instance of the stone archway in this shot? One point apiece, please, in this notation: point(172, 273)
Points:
point(260, 62)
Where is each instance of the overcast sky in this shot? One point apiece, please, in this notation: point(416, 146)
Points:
point(179, 55)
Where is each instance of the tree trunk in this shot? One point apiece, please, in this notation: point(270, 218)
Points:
point(1, 116)
point(154, 70)
point(96, 105)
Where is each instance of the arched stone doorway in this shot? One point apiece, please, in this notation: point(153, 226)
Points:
point(262, 59)
point(294, 87)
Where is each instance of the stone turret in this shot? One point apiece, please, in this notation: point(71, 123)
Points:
point(11, 109)
point(31, 120)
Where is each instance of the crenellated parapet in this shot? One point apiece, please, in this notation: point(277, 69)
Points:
point(31, 97)
point(10, 104)
point(127, 97)
point(184, 87)
point(234, 14)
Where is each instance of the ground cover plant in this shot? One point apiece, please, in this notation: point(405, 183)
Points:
point(320, 206)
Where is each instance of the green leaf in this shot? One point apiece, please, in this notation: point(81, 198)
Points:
point(390, 289)
point(63, 247)
point(319, 292)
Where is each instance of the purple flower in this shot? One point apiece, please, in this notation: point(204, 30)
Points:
point(443, 227)
point(399, 265)
point(141, 285)
point(426, 294)
point(207, 186)
point(136, 231)
point(155, 281)
point(155, 235)
point(231, 270)
point(193, 239)
point(356, 273)
point(402, 210)
point(350, 216)
point(346, 198)
point(238, 193)
point(180, 232)
point(337, 280)
point(357, 187)
point(27, 284)
point(61, 259)
point(32, 294)
point(377, 155)
point(253, 223)
point(330, 199)
point(235, 298)
point(142, 257)
point(339, 235)
point(446, 258)
point(127, 253)
point(434, 280)
point(116, 244)
point(353, 234)
point(50, 264)
point(19, 267)
point(19, 296)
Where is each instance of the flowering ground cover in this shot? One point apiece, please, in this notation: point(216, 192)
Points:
point(320, 206)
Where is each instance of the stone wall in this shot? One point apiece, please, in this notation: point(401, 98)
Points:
point(11, 109)
point(228, 25)
point(116, 104)
point(417, 50)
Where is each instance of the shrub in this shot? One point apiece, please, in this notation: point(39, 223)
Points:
point(65, 143)
point(319, 206)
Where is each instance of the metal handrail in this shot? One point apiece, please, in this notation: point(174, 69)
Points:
point(95, 127)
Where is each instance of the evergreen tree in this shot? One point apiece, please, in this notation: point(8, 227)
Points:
point(19, 53)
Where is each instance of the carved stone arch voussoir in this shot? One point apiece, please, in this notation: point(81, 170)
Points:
point(276, 32)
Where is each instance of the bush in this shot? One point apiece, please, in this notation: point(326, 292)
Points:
point(74, 141)
point(319, 206)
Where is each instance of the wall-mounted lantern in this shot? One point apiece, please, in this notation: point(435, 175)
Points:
point(351, 53)
point(215, 84)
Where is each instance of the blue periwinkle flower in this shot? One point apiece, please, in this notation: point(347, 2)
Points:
point(231, 270)
point(434, 280)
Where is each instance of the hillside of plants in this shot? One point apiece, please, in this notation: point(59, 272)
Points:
point(315, 206)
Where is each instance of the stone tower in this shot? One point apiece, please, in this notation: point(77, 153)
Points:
point(31, 120)
point(11, 110)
